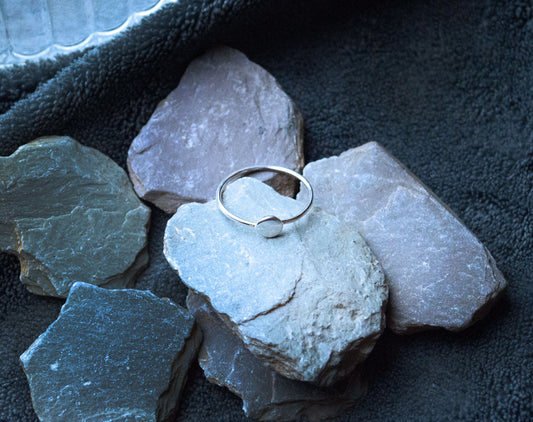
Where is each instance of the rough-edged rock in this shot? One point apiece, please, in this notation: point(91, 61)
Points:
point(266, 395)
point(111, 355)
point(70, 214)
point(439, 273)
point(309, 303)
point(226, 113)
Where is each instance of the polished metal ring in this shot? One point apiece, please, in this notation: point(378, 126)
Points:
point(269, 226)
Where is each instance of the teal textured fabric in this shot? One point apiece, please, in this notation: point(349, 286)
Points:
point(445, 86)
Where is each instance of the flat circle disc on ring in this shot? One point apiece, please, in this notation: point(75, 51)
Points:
point(270, 226)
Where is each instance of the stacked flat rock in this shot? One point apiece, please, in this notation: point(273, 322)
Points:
point(439, 273)
point(70, 214)
point(308, 303)
point(266, 395)
point(226, 113)
point(112, 355)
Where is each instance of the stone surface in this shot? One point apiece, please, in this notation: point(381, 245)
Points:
point(309, 303)
point(439, 273)
point(226, 113)
point(69, 213)
point(266, 395)
point(112, 355)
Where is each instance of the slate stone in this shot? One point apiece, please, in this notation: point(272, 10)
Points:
point(310, 303)
point(112, 355)
point(69, 214)
point(439, 273)
point(266, 395)
point(226, 113)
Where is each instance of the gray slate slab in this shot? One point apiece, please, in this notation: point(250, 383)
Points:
point(111, 355)
point(439, 273)
point(266, 395)
point(69, 213)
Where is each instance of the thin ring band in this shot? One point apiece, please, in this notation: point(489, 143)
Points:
point(269, 226)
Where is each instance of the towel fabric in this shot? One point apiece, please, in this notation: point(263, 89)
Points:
point(445, 86)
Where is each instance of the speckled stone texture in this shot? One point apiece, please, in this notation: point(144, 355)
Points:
point(226, 113)
point(69, 213)
point(439, 273)
point(112, 355)
point(266, 395)
point(310, 303)
point(443, 85)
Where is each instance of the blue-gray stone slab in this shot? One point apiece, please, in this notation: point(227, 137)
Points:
point(266, 395)
point(111, 355)
point(310, 302)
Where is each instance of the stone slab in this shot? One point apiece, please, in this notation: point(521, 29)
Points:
point(69, 214)
point(266, 395)
point(226, 113)
point(309, 303)
point(112, 355)
point(439, 273)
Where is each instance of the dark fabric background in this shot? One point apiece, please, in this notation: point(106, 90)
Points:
point(446, 86)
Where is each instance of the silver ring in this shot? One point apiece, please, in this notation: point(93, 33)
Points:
point(269, 226)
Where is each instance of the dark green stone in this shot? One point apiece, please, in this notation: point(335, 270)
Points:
point(70, 214)
point(112, 355)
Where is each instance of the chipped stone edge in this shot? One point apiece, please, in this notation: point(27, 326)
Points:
point(166, 409)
